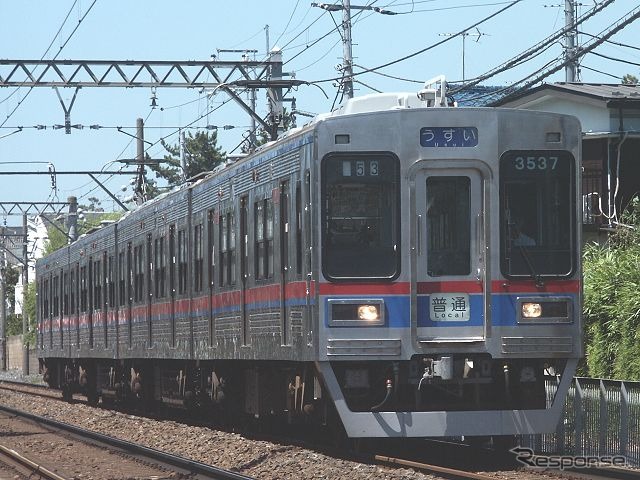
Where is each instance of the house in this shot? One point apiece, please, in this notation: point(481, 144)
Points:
point(610, 117)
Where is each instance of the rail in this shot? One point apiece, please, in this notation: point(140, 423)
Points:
point(175, 461)
point(32, 467)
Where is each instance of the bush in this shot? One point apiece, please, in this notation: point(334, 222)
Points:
point(612, 303)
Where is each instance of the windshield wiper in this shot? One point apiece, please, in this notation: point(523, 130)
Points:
point(526, 254)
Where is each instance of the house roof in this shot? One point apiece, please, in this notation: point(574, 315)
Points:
point(608, 93)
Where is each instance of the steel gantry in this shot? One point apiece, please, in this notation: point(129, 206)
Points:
point(195, 74)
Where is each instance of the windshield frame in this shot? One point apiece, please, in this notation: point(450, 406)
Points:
point(533, 247)
point(389, 165)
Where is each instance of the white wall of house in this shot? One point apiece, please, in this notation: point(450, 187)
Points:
point(36, 238)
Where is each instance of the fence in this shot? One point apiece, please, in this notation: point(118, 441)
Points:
point(15, 355)
point(601, 417)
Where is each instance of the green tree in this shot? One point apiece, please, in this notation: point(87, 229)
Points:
point(57, 238)
point(30, 308)
point(629, 79)
point(612, 303)
point(202, 153)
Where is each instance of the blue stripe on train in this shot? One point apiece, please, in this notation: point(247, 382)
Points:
point(503, 310)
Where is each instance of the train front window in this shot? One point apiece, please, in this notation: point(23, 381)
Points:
point(537, 214)
point(360, 216)
point(448, 226)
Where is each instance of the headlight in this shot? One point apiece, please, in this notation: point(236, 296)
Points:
point(531, 310)
point(369, 313)
point(355, 312)
point(545, 309)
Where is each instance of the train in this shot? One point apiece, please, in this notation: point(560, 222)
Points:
point(398, 267)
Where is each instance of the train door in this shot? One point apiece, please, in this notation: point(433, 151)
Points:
point(149, 289)
point(172, 283)
point(244, 268)
point(284, 261)
point(91, 280)
point(450, 289)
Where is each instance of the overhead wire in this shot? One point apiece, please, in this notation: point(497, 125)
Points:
point(54, 57)
point(614, 59)
point(620, 44)
point(545, 43)
point(430, 47)
point(295, 7)
point(600, 71)
point(614, 28)
point(455, 7)
point(47, 50)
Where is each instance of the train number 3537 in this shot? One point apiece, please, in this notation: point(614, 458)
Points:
point(535, 163)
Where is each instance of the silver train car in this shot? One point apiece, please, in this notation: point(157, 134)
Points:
point(397, 268)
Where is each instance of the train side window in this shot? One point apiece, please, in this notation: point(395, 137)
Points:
point(227, 249)
point(182, 261)
point(97, 285)
point(198, 258)
point(211, 254)
point(65, 293)
point(111, 282)
point(268, 233)
point(72, 291)
point(56, 296)
point(90, 299)
point(223, 249)
point(232, 248)
point(159, 267)
point(83, 289)
point(45, 302)
point(260, 244)
point(122, 275)
point(298, 228)
point(448, 226)
point(138, 273)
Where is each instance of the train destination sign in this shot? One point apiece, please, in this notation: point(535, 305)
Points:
point(449, 307)
point(449, 136)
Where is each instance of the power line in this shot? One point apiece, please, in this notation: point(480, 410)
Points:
point(48, 48)
point(430, 47)
point(540, 46)
point(600, 71)
point(628, 62)
point(55, 56)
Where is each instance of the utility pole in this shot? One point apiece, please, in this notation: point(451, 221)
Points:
point(347, 60)
point(25, 286)
point(347, 67)
point(140, 196)
point(266, 33)
point(183, 157)
point(72, 219)
point(571, 69)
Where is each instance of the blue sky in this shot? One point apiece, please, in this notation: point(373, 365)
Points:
point(194, 30)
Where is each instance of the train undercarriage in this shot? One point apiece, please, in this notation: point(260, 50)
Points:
point(297, 393)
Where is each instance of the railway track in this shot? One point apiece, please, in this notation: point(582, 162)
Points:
point(386, 460)
point(178, 467)
point(439, 463)
point(23, 466)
